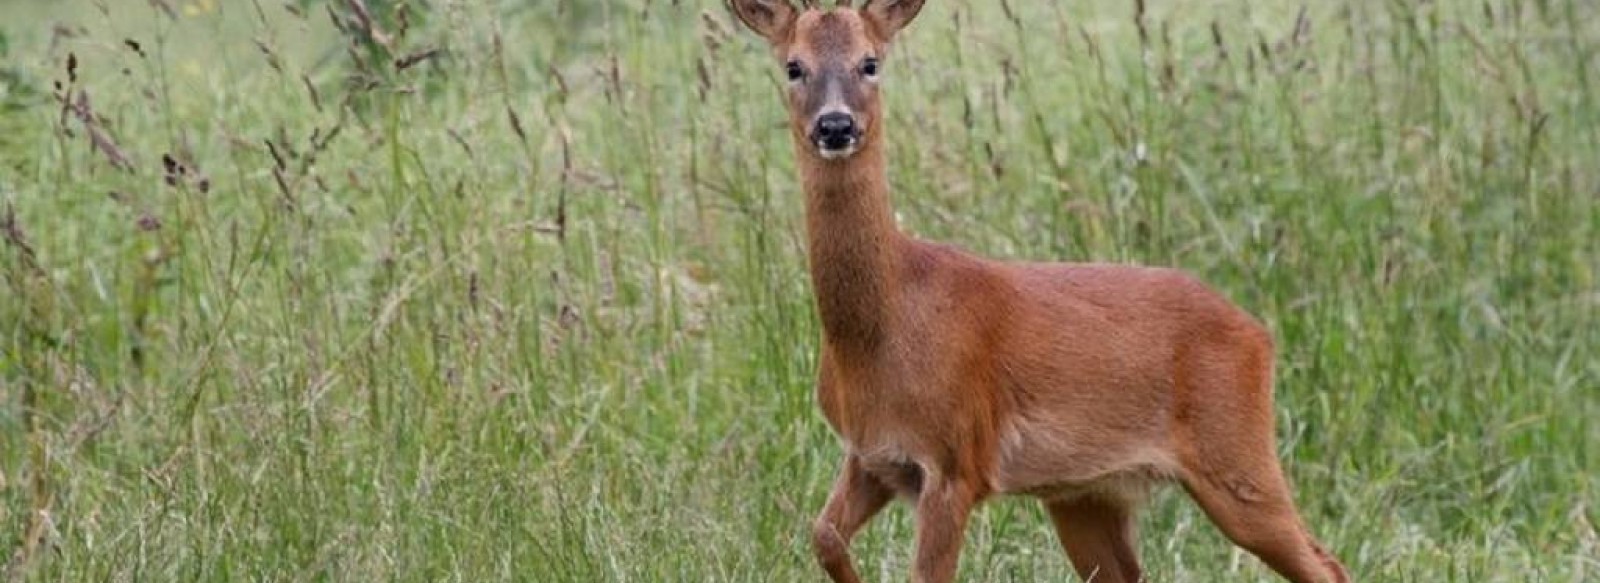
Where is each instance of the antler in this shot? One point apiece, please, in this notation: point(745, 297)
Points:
point(837, 3)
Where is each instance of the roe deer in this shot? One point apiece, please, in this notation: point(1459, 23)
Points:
point(952, 378)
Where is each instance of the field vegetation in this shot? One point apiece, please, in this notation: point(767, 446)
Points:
point(515, 289)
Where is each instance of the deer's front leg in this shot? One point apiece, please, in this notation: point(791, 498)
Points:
point(942, 511)
point(856, 498)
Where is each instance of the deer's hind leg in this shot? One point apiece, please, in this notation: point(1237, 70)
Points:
point(1229, 464)
point(1098, 535)
point(1255, 511)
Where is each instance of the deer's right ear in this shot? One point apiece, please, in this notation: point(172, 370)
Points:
point(768, 18)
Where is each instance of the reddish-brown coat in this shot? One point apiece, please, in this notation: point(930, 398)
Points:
point(953, 378)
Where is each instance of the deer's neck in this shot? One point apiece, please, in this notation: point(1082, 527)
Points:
point(854, 246)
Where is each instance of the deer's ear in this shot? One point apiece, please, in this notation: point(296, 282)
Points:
point(889, 16)
point(768, 18)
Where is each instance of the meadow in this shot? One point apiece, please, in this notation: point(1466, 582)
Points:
point(486, 290)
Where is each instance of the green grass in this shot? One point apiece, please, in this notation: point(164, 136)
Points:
point(442, 345)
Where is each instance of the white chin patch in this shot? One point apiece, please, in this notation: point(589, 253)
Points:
point(844, 152)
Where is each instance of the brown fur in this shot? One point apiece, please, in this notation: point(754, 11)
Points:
point(952, 378)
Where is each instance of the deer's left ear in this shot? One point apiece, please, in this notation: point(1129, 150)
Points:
point(889, 16)
point(768, 18)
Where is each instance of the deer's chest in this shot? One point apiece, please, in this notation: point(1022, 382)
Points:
point(895, 422)
point(893, 449)
point(881, 401)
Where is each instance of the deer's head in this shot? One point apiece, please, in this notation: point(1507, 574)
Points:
point(832, 60)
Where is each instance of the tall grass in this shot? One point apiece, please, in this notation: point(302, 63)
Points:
point(533, 306)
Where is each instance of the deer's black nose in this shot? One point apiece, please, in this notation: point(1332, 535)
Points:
point(835, 131)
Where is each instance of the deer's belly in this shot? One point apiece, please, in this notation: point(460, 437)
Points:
point(1053, 466)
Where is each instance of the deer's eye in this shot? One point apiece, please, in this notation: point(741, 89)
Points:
point(795, 72)
point(869, 67)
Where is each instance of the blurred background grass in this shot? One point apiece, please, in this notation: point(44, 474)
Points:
point(513, 290)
